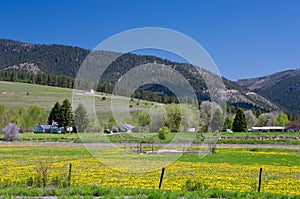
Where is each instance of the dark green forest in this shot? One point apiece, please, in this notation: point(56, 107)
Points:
point(59, 64)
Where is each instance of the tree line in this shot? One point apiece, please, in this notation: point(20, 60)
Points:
point(68, 82)
point(28, 119)
point(40, 78)
point(63, 115)
point(173, 117)
point(209, 118)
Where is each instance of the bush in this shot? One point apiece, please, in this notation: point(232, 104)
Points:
point(43, 170)
point(194, 185)
point(164, 133)
point(11, 132)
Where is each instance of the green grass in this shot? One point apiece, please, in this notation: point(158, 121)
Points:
point(45, 137)
point(236, 138)
point(14, 95)
point(242, 156)
point(94, 191)
point(254, 135)
point(289, 138)
point(90, 137)
point(241, 141)
point(249, 156)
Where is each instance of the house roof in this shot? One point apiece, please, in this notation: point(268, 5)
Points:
point(128, 126)
point(269, 128)
point(45, 126)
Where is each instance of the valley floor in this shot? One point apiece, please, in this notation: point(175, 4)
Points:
point(231, 170)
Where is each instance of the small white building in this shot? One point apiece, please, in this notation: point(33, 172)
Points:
point(128, 128)
point(89, 92)
point(192, 130)
point(268, 129)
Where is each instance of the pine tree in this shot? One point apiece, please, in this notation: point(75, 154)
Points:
point(55, 114)
point(81, 120)
point(66, 114)
point(239, 123)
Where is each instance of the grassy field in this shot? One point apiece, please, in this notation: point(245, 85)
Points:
point(15, 95)
point(282, 138)
point(229, 172)
point(91, 192)
point(118, 171)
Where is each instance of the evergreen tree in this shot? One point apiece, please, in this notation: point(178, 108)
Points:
point(55, 114)
point(81, 120)
point(239, 123)
point(66, 114)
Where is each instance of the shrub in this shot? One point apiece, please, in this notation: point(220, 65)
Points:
point(194, 185)
point(43, 170)
point(163, 133)
point(11, 132)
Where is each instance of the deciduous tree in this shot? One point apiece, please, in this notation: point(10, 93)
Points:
point(217, 121)
point(81, 118)
point(266, 119)
point(11, 132)
point(282, 120)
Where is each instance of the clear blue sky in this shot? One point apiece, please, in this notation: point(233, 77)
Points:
point(245, 38)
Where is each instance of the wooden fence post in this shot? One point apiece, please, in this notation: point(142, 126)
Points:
point(70, 173)
point(152, 146)
point(141, 147)
point(161, 177)
point(259, 180)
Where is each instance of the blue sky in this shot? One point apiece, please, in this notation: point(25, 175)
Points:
point(245, 38)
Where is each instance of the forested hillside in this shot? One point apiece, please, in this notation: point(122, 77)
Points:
point(281, 88)
point(57, 65)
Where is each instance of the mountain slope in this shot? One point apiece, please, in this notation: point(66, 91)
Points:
point(66, 60)
point(53, 59)
point(281, 88)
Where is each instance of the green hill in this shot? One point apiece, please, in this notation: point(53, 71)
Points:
point(17, 95)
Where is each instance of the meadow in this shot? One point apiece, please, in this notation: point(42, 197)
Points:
point(229, 171)
point(38, 164)
point(283, 138)
point(15, 95)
